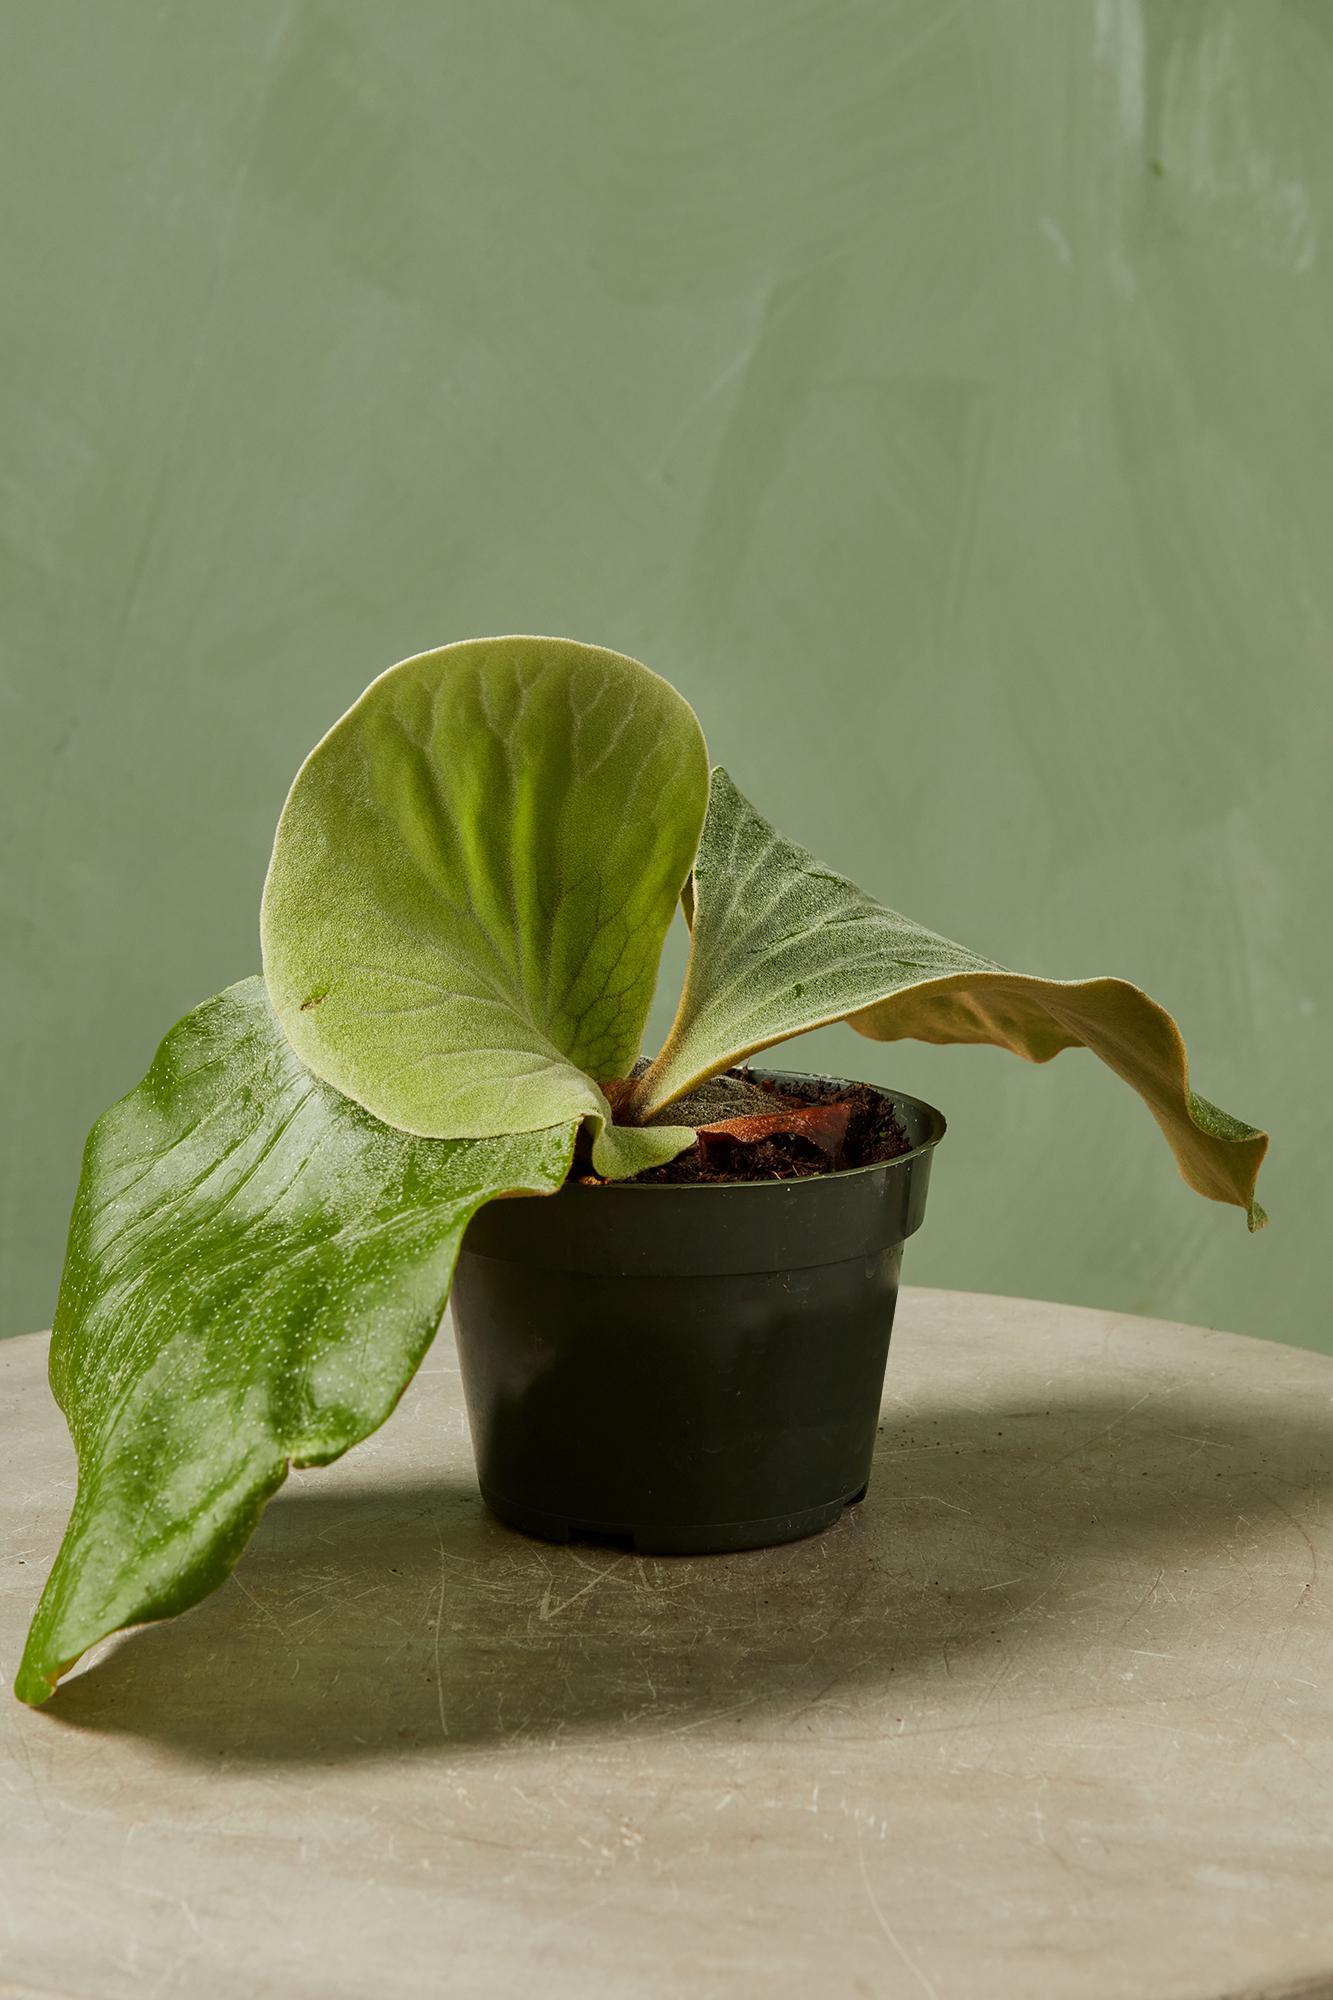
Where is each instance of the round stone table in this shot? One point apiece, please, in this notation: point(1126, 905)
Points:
point(1049, 1715)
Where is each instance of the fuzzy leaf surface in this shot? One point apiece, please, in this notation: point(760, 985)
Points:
point(781, 944)
point(472, 879)
point(255, 1268)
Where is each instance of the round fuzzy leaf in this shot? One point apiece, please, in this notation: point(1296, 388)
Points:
point(472, 879)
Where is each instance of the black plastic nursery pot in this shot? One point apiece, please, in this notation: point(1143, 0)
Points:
point(686, 1369)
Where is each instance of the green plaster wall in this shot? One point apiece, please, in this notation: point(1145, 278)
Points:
point(941, 395)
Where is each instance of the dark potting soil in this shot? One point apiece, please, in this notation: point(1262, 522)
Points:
point(872, 1133)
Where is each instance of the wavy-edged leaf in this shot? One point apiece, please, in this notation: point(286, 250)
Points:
point(472, 879)
point(255, 1268)
point(781, 944)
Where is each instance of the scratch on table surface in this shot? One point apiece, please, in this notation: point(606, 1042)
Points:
point(264, 1610)
point(718, 1715)
point(37, 1790)
point(1026, 1610)
point(1304, 1534)
point(1141, 1600)
point(439, 1620)
point(546, 1610)
point(926, 1984)
point(1099, 1437)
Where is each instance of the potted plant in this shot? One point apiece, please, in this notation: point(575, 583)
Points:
point(675, 1336)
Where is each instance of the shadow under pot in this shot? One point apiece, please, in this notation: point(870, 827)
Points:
point(686, 1369)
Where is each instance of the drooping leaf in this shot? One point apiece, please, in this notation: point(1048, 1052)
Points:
point(781, 944)
point(255, 1268)
point(471, 883)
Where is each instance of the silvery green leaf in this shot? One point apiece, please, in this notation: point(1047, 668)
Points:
point(780, 944)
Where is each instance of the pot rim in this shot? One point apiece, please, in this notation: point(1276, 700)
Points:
point(938, 1127)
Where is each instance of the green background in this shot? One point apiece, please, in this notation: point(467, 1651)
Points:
point(941, 396)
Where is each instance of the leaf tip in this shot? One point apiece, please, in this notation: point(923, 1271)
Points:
point(32, 1686)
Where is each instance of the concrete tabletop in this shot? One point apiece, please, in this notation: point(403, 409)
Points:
point(1051, 1714)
